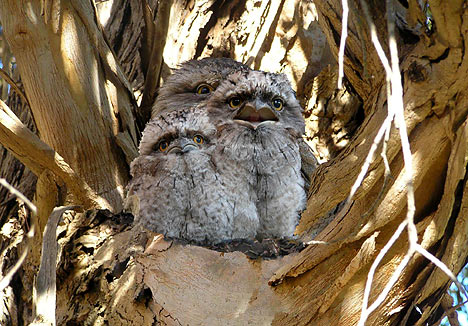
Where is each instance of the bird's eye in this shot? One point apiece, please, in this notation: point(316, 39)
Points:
point(235, 102)
point(198, 139)
point(163, 145)
point(204, 89)
point(277, 104)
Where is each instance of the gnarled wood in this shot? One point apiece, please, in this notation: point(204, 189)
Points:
point(76, 92)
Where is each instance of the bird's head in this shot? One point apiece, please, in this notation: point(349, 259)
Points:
point(255, 99)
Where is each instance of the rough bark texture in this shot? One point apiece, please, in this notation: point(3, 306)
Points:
point(75, 89)
point(111, 273)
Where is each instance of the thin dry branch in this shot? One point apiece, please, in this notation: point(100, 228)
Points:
point(396, 112)
point(370, 276)
point(449, 311)
point(442, 266)
point(87, 13)
point(396, 109)
point(13, 85)
point(363, 257)
point(344, 35)
point(5, 281)
point(375, 39)
point(385, 128)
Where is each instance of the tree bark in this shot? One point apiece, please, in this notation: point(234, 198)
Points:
point(110, 272)
point(79, 98)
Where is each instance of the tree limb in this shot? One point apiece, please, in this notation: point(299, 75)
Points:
point(12, 83)
point(38, 156)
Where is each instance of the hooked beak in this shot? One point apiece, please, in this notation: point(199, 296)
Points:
point(182, 146)
point(255, 114)
point(187, 145)
point(175, 150)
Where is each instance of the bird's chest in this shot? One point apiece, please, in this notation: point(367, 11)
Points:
point(263, 151)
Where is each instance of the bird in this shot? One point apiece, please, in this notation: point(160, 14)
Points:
point(182, 193)
point(196, 80)
point(259, 124)
point(193, 83)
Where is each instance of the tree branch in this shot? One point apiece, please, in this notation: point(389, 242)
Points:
point(12, 83)
point(38, 156)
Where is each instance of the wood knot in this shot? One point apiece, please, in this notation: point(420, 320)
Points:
point(417, 73)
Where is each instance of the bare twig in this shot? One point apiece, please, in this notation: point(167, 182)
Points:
point(442, 266)
point(365, 310)
point(396, 110)
point(397, 101)
point(13, 85)
point(449, 311)
point(385, 128)
point(87, 14)
point(18, 194)
point(312, 242)
point(384, 149)
point(344, 35)
point(370, 156)
point(5, 281)
point(364, 256)
point(375, 39)
point(369, 159)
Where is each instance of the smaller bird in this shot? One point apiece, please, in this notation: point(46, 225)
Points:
point(182, 193)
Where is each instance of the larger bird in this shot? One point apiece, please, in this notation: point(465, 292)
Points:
point(260, 124)
point(193, 83)
point(196, 80)
point(182, 193)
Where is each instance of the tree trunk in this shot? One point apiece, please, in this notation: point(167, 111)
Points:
point(78, 95)
point(113, 273)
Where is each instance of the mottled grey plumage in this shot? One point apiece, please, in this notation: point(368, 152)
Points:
point(180, 90)
point(182, 192)
point(264, 141)
point(245, 180)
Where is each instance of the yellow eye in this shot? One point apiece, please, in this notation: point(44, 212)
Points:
point(163, 145)
point(277, 104)
point(204, 89)
point(198, 139)
point(235, 102)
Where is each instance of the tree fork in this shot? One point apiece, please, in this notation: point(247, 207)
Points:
point(79, 106)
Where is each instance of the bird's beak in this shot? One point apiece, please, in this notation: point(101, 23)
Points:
point(254, 114)
point(174, 150)
point(187, 145)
